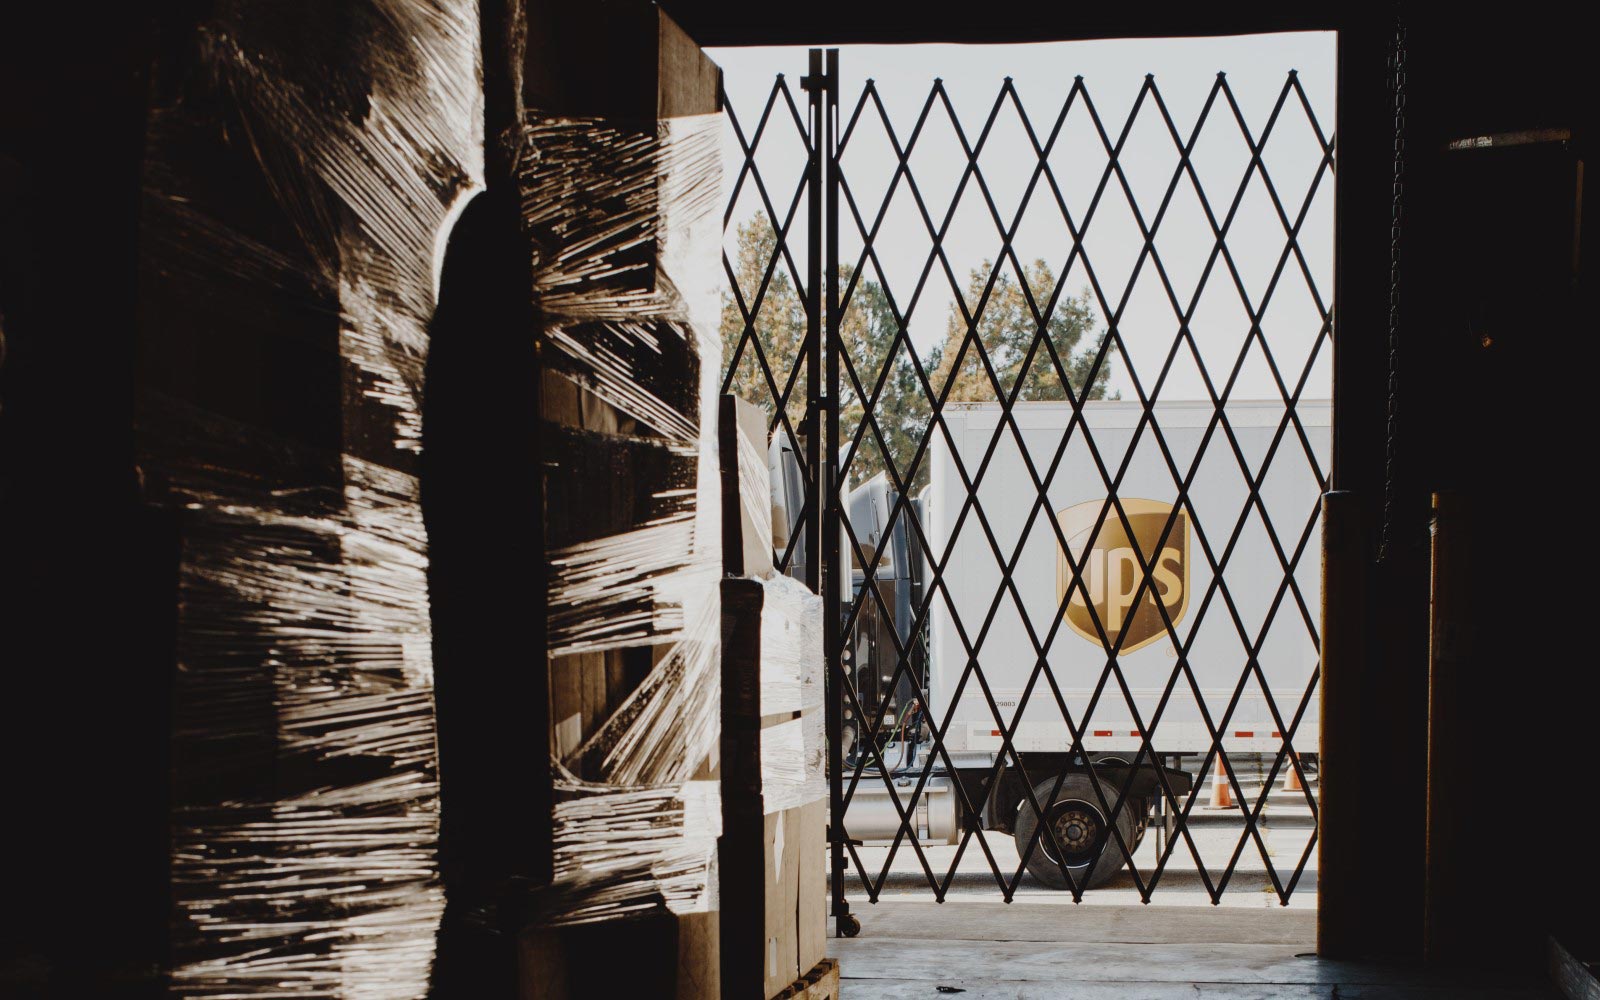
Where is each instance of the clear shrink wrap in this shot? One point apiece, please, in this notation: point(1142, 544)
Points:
point(303, 165)
point(624, 225)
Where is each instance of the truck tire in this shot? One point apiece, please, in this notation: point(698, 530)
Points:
point(1079, 822)
point(1142, 808)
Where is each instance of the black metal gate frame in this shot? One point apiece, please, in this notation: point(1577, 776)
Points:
point(825, 191)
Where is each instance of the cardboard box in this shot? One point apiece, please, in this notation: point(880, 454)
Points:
point(782, 855)
point(812, 910)
point(746, 488)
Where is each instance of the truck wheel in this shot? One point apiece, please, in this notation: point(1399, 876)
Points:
point(1080, 828)
point(1141, 807)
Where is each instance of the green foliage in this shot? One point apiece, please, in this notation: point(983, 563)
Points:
point(1007, 326)
point(780, 322)
point(878, 351)
point(901, 411)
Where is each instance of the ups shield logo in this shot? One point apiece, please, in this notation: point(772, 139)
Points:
point(1113, 572)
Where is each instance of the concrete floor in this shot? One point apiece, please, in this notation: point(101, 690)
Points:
point(1286, 826)
point(1024, 951)
point(1111, 947)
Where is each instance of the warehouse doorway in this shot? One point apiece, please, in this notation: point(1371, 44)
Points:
point(1044, 334)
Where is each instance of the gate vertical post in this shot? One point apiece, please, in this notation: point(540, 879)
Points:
point(813, 346)
point(1447, 905)
point(1343, 895)
point(837, 576)
point(823, 258)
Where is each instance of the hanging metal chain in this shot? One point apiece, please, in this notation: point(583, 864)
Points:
point(1397, 86)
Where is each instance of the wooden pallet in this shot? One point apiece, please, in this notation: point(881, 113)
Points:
point(821, 983)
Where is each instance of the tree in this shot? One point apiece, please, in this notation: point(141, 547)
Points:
point(1007, 328)
point(871, 337)
point(873, 341)
point(779, 322)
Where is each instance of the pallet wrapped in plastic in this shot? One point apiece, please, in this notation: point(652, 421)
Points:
point(774, 741)
point(624, 225)
point(305, 167)
point(302, 163)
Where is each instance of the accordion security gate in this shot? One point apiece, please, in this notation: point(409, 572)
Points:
point(885, 461)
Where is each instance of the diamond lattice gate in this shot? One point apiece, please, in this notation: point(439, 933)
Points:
point(1049, 399)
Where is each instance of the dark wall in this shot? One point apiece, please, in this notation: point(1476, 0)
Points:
point(86, 577)
point(1501, 311)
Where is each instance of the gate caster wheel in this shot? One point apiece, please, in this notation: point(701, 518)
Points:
point(852, 925)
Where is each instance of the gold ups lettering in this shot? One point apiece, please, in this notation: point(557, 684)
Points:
point(1113, 571)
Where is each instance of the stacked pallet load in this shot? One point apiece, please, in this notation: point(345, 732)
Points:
point(619, 211)
point(772, 854)
point(300, 162)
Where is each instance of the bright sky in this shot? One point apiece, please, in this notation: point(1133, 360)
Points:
point(1113, 72)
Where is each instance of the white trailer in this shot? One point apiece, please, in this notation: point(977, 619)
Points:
point(1254, 576)
point(1263, 608)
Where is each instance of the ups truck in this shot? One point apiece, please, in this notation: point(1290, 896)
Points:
point(1007, 604)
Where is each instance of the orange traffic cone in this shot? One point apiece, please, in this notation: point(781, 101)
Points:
point(1221, 793)
point(1294, 784)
